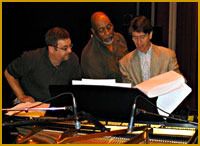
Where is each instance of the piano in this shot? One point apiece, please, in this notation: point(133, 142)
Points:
point(104, 115)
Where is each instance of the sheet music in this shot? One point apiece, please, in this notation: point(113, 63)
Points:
point(22, 106)
point(161, 84)
point(101, 82)
point(168, 102)
point(94, 82)
point(170, 88)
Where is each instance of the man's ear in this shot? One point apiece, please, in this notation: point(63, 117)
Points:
point(92, 30)
point(51, 49)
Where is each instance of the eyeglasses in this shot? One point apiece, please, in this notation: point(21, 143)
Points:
point(102, 30)
point(141, 37)
point(65, 48)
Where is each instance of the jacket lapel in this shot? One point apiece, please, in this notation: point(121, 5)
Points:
point(137, 68)
point(154, 67)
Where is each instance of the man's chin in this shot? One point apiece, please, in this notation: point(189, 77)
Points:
point(108, 42)
point(142, 50)
point(66, 58)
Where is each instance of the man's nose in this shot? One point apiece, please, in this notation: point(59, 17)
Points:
point(138, 41)
point(69, 50)
point(107, 31)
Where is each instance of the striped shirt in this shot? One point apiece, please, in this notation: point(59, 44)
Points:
point(145, 61)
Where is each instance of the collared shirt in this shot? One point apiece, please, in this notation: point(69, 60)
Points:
point(35, 72)
point(145, 62)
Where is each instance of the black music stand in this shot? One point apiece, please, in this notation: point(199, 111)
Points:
point(106, 102)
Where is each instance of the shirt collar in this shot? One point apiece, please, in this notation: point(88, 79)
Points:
point(147, 53)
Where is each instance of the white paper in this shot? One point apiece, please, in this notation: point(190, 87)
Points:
point(101, 82)
point(161, 84)
point(94, 82)
point(170, 101)
point(170, 88)
point(17, 110)
point(125, 85)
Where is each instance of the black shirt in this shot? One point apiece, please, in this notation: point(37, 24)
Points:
point(35, 72)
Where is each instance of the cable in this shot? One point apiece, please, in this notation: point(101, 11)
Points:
point(155, 105)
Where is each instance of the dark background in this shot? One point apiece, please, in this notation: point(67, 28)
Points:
point(25, 24)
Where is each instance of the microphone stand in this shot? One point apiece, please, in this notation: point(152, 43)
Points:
point(172, 118)
point(26, 109)
point(133, 112)
point(132, 116)
point(77, 123)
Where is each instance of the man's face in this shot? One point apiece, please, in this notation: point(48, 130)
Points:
point(142, 40)
point(63, 49)
point(104, 29)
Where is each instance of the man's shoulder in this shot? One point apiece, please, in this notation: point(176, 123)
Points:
point(162, 50)
point(73, 58)
point(120, 42)
point(128, 56)
point(89, 44)
point(74, 55)
point(91, 48)
point(36, 53)
point(118, 35)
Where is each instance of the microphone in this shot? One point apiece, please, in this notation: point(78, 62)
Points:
point(26, 109)
point(132, 116)
point(77, 123)
point(138, 111)
point(167, 117)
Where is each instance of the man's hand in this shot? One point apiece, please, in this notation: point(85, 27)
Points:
point(16, 87)
point(26, 98)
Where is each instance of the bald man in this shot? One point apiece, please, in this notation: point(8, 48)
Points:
point(99, 59)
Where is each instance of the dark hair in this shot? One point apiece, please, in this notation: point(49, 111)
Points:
point(140, 24)
point(55, 34)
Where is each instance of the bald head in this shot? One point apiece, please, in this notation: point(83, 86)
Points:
point(102, 27)
point(97, 18)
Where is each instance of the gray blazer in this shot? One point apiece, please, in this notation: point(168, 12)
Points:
point(162, 60)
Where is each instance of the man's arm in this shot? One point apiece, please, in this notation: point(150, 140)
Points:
point(173, 65)
point(125, 75)
point(17, 89)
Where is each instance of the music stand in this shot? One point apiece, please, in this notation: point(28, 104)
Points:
point(106, 102)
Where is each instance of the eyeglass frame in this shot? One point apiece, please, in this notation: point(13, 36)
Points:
point(141, 37)
point(64, 48)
